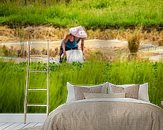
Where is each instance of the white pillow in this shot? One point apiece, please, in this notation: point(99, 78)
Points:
point(132, 91)
point(102, 95)
point(71, 92)
point(143, 92)
point(162, 103)
point(122, 85)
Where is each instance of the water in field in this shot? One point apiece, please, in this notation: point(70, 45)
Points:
point(107, 49)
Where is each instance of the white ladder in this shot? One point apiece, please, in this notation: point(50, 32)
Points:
point(27, 89)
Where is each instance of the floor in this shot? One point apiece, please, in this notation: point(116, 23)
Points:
point(17, 126)
point(15, 121)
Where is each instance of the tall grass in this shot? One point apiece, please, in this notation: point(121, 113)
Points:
point(12, 81)
point(89, 13)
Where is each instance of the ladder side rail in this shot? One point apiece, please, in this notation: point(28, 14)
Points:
point(27, 83)
point(47, 109)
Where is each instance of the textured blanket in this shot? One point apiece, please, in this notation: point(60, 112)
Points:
point(106, 114)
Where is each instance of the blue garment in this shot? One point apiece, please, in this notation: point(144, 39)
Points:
point(69, 46)
point(72, 44)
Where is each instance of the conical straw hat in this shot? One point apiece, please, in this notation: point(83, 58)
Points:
point(78, 32)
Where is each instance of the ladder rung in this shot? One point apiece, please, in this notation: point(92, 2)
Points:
point(38, 71)
point(36, 105)
point(37, 89)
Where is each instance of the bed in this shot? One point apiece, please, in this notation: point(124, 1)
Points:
point(106, 107)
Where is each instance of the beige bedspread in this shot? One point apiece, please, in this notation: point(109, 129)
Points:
point(106, 114)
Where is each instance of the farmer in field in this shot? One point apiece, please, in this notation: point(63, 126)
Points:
point(72, 39)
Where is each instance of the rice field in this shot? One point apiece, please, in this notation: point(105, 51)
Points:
point(12, 81)
point(88, 13)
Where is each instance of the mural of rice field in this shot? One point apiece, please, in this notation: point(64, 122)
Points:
point(128, 33)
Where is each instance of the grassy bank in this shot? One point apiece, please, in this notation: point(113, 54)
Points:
point(88, 13)
point(12, 81)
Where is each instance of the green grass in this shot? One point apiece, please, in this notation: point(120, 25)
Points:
point(88, 13)
point(12, 81)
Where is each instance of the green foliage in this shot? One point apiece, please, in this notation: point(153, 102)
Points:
point(12, 81)
point(88, 13)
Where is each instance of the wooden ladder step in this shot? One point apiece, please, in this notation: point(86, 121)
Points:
point(36, 105)
point(44, 71)
point(37, 89)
